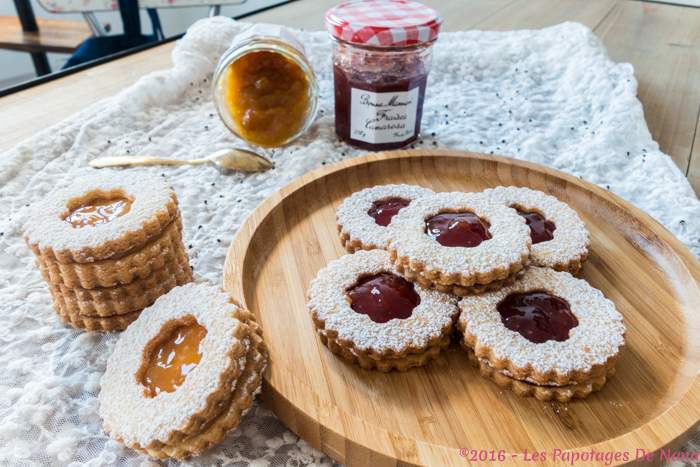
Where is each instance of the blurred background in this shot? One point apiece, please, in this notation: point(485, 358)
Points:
point(17, 66)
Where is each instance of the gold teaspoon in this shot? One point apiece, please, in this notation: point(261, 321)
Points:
point(234, 159)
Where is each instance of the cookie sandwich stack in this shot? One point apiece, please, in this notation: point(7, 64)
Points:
point(459, 243)
point(184, 374)
point(108, 246)
point(364, 311)
point(548, 335)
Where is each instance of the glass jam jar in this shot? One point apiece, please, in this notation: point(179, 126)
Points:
point(265, 90)
point(381, 58)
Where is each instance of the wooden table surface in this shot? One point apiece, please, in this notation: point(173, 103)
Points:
point(54, 35)
point(662, 42)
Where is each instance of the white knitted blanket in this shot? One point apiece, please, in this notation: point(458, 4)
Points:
point(552, 97)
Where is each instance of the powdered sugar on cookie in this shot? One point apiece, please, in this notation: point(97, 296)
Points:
point(497, 258)
point(135, 418)
point(359, 231)
point(593, 345)
point(153, 206)
point(430, 320)
point(569, 247)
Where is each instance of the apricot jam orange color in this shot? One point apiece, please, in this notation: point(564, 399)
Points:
point(268, 97)
point(98, 212)
point(174, 359)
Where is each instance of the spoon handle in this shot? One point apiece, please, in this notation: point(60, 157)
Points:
point(139, 160)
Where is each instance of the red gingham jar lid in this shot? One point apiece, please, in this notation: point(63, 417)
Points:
point(383, 22)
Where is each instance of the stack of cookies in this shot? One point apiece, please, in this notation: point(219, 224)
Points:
point(459, 243)
point(108, 246)
point(548, 335)
point(509, 252)
point(364, 311)
point(184, 374)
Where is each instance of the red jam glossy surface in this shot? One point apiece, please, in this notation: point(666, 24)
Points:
point(383, 211)
point(98, 212)
point(174, 359)
point(463, 229)
point(383, 297)
point(538, 316)
point(541, 230)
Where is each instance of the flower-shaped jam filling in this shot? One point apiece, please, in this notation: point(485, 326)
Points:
point(383, 297)
point(383, 211)
point(541, 230)
point(174, 359)
point(463, 229)
point(537, 316)
point(98, 212)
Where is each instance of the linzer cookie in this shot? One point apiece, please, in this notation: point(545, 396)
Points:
point(94, 323)
point(177, 268)
point(548, 330)
point(542, 392)
point(363, 217)
point(121, 299)
point(367, 313)
point(100, 216)
point(559, 236)
point(120, 269)
point(184, 374)
point(108, 246)
point(459, 243)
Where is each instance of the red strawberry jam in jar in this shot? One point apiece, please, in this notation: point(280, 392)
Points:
point(381, 59)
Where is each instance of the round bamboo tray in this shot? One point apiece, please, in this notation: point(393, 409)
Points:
point(440, 413)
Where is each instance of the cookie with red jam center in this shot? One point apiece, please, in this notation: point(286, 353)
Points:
point(364, 311)
point(559, 236)
point(546, 330)
point(459, 243)
point(363, 217)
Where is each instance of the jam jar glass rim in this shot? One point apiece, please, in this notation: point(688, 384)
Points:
point(385, 48)
point(268, 44)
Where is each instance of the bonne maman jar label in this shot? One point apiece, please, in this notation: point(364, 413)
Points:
point(383, 117)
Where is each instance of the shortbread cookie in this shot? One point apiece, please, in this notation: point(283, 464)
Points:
point(98, 323)
point(458, 239)
point(108, 301)
point(232, 412)
point(363, 217)
point(548, 328)
point(122, 269)
point(361, 303)
point(544, 393)
point(559, 236)
point(132, 290)
point(188, 402)
point(459, 290)
point(100, 216)
point(387, 364)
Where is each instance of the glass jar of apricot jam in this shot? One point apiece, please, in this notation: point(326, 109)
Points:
point(381, 58)
point(265, 90)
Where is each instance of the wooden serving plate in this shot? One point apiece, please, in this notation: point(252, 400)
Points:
point(426, 415)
